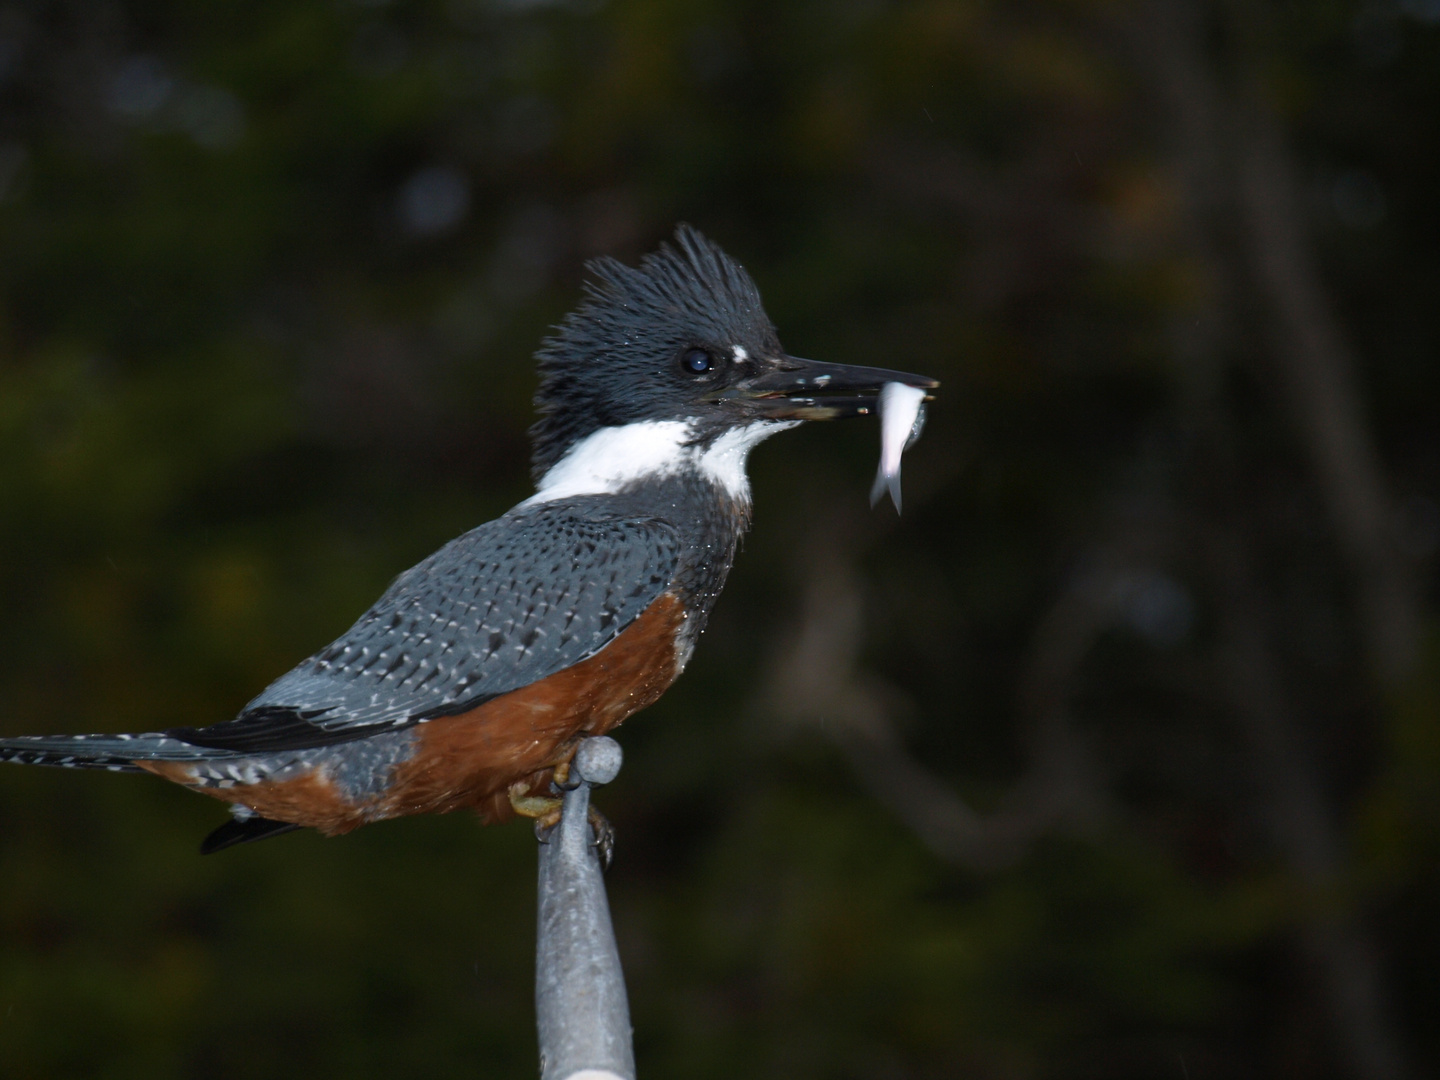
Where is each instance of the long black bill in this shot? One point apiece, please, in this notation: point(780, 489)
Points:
point(809, 390)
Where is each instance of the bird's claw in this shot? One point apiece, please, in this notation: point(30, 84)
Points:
point(560, 781)
point(546, 811)
point(604, 837)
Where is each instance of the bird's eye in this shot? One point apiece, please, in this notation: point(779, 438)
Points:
point(697, 361)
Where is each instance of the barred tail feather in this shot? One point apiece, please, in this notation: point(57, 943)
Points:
point(116, 753)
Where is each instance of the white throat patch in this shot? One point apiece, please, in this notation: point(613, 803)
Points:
point(613, 458)
point(724, 460)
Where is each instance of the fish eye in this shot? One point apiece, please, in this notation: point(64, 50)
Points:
point(697, 361)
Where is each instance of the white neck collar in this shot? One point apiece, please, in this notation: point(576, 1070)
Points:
point(613, 458)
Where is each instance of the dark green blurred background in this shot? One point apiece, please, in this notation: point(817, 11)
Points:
point(1117, 756)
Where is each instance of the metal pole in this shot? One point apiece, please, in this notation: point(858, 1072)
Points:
point(580, 1004)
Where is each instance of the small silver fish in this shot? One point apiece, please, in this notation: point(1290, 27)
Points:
point(902, 417)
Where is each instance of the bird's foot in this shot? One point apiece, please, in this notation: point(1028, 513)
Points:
point(545, 809)
point(526, 800)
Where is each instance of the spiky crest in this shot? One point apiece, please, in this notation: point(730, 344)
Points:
point(609, 362)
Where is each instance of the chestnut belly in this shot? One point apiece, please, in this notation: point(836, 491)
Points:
point(472, 759)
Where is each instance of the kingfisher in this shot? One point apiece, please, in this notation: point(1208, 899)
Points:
point(471, 680)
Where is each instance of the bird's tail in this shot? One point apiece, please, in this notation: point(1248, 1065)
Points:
point(117, 753)
point(122, 753)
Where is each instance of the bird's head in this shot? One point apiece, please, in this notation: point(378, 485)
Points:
point(672, 363)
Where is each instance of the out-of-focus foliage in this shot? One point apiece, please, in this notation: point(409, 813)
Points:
point(272, 275)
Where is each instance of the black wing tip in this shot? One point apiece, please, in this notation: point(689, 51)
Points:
point(269, 728)
point(244, 832)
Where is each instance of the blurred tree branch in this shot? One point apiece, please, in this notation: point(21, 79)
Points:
point(1240, 222)
point(1319, 378)
point(1300, 823)
point(818, 681)
point(1322, 395)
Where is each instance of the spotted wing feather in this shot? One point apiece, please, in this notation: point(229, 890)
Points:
point(505, 605)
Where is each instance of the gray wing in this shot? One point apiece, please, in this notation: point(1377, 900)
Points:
point(511, 602)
